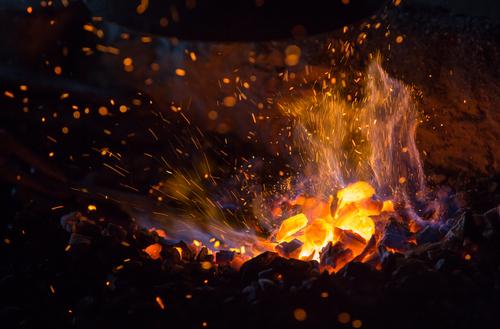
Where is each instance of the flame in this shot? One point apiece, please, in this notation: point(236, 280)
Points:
point(371, 143)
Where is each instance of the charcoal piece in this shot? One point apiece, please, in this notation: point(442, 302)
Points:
point(266, 285)
point(186, 252)
point(360, 272)
point(117, 232)
point(395, 236)
point(204, 256)
point(224, 256)
point(350, 239)
point(430, 233)
point(292, 271)
point(252, 267)
point(250, 292)
point(369, 249)
point(455, 235)
point(335, 255)
point(290, 249)
point(171, 255)
point(466, 226)
point(390, 262)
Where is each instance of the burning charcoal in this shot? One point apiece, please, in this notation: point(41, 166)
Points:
point(224, 257)
point(350, 240)
point(290, 249)
point(186, 253)
point(395, 236)
point(204, 256)
point(154, 251)
point(369, 249)
point(336, 255)
point(172, 255)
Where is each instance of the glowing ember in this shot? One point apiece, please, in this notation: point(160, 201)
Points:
point(355, 207)
point(153, 250)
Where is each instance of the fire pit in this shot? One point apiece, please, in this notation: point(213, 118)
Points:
point(161, 168)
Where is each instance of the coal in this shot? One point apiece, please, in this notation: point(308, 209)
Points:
point(290, 249)
point(290, 270)
point(430, 233)
point(224, 256)
point(350, 239)
point(335, 255)
point(187, 253)
point(204, 256)
point(395, 236)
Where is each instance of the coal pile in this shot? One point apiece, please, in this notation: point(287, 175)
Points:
point(90, 270)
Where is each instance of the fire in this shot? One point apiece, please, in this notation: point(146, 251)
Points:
point(318, 215)
point(355, 208)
